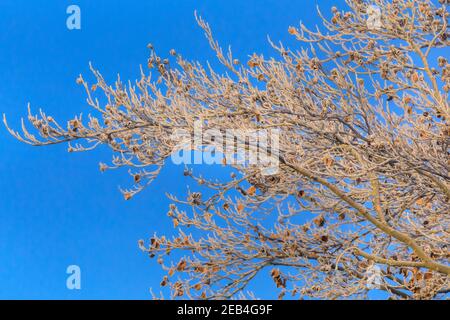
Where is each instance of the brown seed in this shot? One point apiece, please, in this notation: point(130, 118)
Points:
point(328, 161)
point(251, 191)
point(409, 110)
point(181, 265)
point(80, 80)
point(275, 273)
point(198, 286)
point(292, 30)
point(319, 221)
point(127, 195)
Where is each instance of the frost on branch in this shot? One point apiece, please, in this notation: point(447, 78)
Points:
point(363, 181)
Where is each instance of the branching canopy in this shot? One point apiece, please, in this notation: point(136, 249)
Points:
point(363, 183)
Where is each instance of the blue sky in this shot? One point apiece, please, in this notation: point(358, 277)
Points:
point(56, 208)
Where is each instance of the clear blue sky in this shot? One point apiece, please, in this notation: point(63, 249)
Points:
point(57, 209)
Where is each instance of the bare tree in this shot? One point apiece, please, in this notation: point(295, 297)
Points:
point(361, 197)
